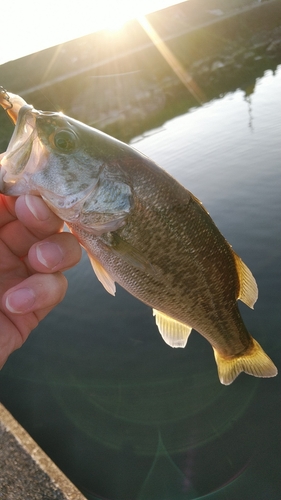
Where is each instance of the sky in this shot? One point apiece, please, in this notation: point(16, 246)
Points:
point(32, 25)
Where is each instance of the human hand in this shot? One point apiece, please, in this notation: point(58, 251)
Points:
point(33, 254)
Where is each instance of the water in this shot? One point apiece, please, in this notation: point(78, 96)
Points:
point(122, 414)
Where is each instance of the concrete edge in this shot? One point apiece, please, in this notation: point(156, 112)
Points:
point(39, 456)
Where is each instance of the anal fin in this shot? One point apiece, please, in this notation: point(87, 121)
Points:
point(253, 362)
point(174, 333)
point(103, 276)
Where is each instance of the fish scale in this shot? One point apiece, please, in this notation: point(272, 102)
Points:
point(185, 286)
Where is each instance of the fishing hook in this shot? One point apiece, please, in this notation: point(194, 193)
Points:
point(6, 97)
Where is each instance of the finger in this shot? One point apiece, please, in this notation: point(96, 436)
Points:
point(25, 305)
point(7, 209)
point(33, 212)
point(22, 232)
point(17, 238)
point(36, 293)
point(56, 253)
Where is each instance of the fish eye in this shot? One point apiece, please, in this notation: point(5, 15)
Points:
point(65, 140)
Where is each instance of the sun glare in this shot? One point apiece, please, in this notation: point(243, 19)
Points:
point(114, 19)
point(38, 25)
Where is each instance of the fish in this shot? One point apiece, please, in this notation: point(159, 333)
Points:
point(140, 228)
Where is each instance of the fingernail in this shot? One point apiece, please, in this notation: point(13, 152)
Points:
point(37, 207)
point(20, 300)
point(49, 254)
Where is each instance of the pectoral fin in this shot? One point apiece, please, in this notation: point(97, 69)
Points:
point(130, 254)
point(248, 292)
point(100, 227)
point(103, 276)
point(174, 333)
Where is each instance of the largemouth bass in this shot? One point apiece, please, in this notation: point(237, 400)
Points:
point(140, 228)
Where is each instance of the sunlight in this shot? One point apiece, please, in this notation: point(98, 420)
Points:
point(113, 19)
point(34, 25)
point(172, 60)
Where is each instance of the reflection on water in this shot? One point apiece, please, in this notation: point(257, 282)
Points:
point(125, 416)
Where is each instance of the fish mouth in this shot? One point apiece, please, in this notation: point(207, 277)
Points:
point(24, 128)
point(22, 156)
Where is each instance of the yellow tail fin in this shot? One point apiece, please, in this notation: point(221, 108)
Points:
point(254, 362)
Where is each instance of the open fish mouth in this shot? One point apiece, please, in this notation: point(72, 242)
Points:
point(22, 136)
point(23, 153)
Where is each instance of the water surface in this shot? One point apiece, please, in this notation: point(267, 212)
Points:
point(122, 414)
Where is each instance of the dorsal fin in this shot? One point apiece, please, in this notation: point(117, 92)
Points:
point(103, 276)
point(248, 292)
point(174, 333)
